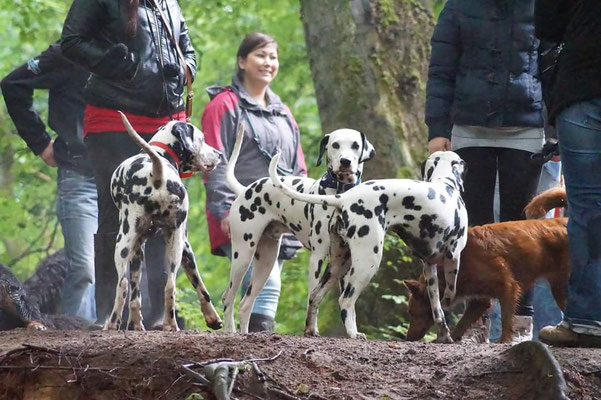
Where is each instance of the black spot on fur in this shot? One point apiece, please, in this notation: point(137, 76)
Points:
point(343, 315)
point(364, 230)
point(409, 203)
point(124, 252)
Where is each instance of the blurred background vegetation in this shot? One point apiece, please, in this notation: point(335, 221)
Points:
point(29, 229)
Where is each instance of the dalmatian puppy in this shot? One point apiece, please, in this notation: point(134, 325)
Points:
point(261, 214)
point(429, 216)
point(150, 196)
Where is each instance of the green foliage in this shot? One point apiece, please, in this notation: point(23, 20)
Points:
point(28, 222)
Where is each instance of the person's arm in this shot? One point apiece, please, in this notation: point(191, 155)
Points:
point(219, 127)
point(84, 20)
point(442, 71)
point(187, 50)
point(47, 70)
point(551, 18)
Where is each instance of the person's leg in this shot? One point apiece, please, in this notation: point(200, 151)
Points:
point(154, 281)
point(77, 211)
point(106, 151)
point(479, 185)
point(263, 313)
point(518, 183)
point(579, 131)
point(546, 310)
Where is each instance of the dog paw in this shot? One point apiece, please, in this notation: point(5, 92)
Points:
point(311, 333)
point(215, 325)
point(360, 336)
point(36, 326)
point(170, 328)
point(443, 339)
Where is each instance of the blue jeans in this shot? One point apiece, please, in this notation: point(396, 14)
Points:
point(266, 302)
point(78, 215)
point(579, 132)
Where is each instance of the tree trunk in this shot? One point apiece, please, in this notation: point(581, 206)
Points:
point(369, 62)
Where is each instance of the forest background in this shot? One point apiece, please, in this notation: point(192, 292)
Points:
point(29, 229)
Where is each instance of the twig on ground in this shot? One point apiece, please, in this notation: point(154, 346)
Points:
point(593, 372)
point(503, 371)
point(282, 394)
point(11, 352)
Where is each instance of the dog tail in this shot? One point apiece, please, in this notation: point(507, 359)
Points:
point(326, 200)
point(157, 166)
point(547, 200)
point(230, 178)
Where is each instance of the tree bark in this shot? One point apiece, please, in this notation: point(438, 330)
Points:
point(369, 63)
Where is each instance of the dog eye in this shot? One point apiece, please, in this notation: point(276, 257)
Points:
point(355, 146)
point(335, 145)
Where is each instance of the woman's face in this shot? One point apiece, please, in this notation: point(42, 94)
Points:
point(261, 65)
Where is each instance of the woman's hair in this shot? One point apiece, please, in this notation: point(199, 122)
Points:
point(132, 18)
point(250, 43)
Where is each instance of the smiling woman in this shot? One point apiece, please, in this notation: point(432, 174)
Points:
point(268, 126)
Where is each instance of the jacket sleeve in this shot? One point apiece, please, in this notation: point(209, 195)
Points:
point(551, 18)
point(444, 63)
point(219, 127)
point(185, 44)
point(45, 71)
point(77, 38)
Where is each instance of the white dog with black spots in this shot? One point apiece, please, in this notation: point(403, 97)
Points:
point(261, 214)
point(150, 196)
point(429, 216)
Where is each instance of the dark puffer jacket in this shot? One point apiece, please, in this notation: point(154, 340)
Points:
point(483, 67)
point(577, 24)
point(93, 27)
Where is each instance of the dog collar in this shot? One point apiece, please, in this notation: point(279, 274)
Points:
point(330, 181)
point(173, 156)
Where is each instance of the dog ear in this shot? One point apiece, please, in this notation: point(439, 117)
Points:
point(367, 150)
point(413, 286)
point(184, 132)
point(322, 148)
point(460, 172)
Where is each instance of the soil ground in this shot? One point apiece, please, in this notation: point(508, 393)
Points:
point(147, 365)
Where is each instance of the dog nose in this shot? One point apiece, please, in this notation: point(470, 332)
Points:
point(345, 162)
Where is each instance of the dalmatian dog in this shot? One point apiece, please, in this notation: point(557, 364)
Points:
point(429, 216)
point(261, 214)
point(150, 196)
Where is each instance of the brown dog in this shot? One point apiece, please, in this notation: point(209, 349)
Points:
point(500, 261)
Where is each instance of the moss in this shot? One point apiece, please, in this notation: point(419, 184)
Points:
point(388, 13)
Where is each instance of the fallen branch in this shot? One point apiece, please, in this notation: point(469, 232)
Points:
point(220, 374)
point(504, 371)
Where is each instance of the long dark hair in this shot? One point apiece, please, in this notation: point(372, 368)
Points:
point(250, 43)
point(132, 18)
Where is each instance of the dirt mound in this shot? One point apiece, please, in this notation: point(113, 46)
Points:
point(148, 365)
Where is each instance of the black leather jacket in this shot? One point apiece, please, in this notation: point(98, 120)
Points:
point(93, 27)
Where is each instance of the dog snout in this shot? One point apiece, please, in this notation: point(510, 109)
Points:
point(345, 162)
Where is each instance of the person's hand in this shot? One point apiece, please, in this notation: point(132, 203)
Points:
point(118, 62)
point(48, 154)
point(439, 144)
point(225, 227)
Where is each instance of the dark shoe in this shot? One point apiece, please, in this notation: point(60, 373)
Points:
point(562, 336)
point(260, 323)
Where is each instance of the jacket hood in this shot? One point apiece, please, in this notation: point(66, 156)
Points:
point(246, 101)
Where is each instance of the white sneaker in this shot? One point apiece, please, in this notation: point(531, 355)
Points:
point(522, 329)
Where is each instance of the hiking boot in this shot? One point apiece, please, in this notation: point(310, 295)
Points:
point(522, 329)
point(260, 323)
point(479, 332)
point(560, 335)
